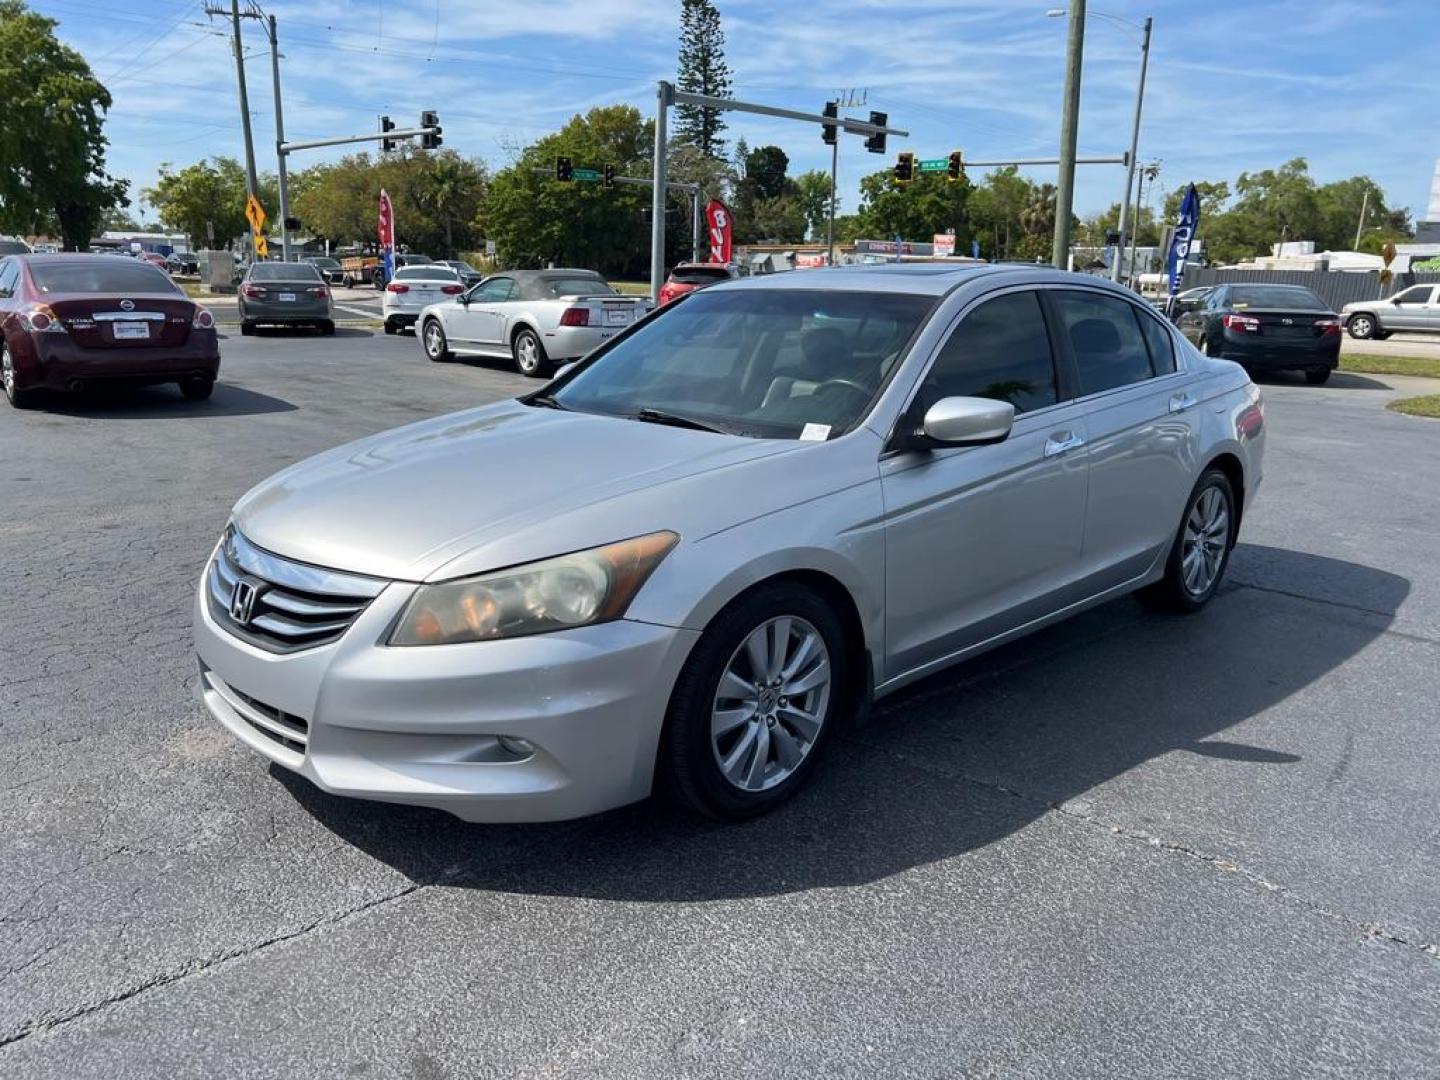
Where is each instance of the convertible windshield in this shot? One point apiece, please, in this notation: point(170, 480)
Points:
point(769, 363)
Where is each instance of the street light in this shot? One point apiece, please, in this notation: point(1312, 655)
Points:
point(1055, 13)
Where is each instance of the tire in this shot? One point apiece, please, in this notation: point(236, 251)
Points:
point(391, 328)
point(1317, 376)
point(1362, 326)
point(327, 328)
point(197, 389)
point(529, 354)
point(434, 342)
point(1177, 591)
point(18, 398)
point(1381, 335)
point(247, 328)
point(347, 282)
point(764, 771)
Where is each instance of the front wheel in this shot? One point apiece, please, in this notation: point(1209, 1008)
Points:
point(756, 702)
point(1201, 550)
point(530, 355)
point(437, 348)
point(1361, 326)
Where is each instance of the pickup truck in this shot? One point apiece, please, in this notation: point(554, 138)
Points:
point(538, 318)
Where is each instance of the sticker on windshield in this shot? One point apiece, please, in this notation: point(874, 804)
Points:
point(815, 433)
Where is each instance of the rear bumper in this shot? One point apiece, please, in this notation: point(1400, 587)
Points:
point(573, 342)
point(1319, 353)
point(57, 361)
point(277, 311)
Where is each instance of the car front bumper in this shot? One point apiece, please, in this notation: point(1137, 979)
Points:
point(421, 725)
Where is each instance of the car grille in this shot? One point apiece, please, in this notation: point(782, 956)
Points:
point(292, 605)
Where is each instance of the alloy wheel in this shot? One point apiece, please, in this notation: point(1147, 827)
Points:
point(527, 351)
point(1361, 327)
point(1207, 532)
point(7, 373)
point(434, 345)
point(771, 703)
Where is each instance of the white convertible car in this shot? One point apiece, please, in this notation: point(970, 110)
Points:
point(541, 318)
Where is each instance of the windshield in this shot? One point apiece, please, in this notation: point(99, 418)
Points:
point(284, 272)
point(94, 276)
point(768, 363)
point(578, 286)
point(1275, 296)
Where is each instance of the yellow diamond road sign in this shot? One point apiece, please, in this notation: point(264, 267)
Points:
point(262, 247)
point(255, 213)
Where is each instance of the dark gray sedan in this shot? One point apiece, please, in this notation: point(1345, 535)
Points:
point(285, 294)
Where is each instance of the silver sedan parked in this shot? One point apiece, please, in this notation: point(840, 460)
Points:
point(686, 561)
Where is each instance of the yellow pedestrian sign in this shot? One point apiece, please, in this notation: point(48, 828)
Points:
point(255, 213)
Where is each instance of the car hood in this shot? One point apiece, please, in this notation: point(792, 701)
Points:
point(498, 485)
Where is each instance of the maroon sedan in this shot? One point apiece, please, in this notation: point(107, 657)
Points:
point(69, 320)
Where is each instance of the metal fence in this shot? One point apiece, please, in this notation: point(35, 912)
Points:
point(1336, 287)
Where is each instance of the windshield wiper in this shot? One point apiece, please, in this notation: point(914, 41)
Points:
point(659, 416)
point(546, 401)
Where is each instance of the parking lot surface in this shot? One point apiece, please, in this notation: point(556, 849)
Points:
point(1130, 845)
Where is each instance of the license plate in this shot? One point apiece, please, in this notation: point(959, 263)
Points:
point(617, 318)
point(287, 296)
point(131, 331)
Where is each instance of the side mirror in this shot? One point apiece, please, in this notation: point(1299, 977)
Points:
point(966, 421)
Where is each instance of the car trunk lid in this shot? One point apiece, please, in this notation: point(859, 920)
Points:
point(137, 321)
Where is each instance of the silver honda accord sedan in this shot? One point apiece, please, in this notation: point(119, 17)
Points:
point(688, 561)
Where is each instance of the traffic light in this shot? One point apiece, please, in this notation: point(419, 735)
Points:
point(607, 174)
point(876, 143)
point(386, 145)
point(564, 171)
point(832, 108)
point(292, 224)
point(956, 167)
point(904, 167)
point(431, 139)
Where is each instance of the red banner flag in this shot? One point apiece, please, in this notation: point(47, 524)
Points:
point(387, 220)
point(717, 217)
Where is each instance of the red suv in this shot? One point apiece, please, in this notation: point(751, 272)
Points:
point(687, 277)
point(68, 320)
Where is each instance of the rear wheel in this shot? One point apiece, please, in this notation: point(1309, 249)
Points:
point(1361, 326)
point(197, 389)
point(247, 328)
point(755, 704)
point(1201, 550)
point(437, 348)
point(327, 328)
point(20, 399)
point(530, 355)
point(391, 328)
point(1317, 376)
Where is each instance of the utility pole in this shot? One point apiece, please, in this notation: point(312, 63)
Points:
point(695, 224)
point(252, 187)
point(1134, 146)
point(1069, 133)
point(1360, 225)
point(280, 140)
point(664, 97)
point(1150, 172)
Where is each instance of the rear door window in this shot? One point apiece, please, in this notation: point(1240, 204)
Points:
point(1105, 338)
point(1000, 350)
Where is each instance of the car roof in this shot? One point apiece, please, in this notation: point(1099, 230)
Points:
point(926, 279)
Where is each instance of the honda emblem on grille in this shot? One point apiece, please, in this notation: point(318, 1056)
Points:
point(127, 305)
point(242, 601)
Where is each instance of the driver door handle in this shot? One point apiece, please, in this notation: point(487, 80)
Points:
point(1062, 442)
point(1181, 401)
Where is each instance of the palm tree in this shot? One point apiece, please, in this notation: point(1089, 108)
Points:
point(1038, 215)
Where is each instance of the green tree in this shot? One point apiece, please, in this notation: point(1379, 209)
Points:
point(702, 70)
point(1213, 197)
point(812, 192)
point(930, 204)
point(200, 196)
point(52, 143)
point(994, 208)
point(534, 220)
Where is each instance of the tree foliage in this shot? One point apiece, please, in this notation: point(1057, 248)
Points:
point(536, 220)
point(702, 70)
point(52, 144)
point(208, 194)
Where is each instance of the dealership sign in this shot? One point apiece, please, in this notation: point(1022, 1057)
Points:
point(717, 218)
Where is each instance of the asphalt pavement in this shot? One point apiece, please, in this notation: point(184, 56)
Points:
point(1131, 845)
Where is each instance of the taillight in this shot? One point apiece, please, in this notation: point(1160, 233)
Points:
point(252, 291)
point(1243, 323)
point(41, 319)
point(452, 290)
point(396, 287)
point(1328, 326)
point(203, 319)
point(318, 290)
point(575, 316)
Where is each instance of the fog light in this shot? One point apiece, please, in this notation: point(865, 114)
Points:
point(519, 747)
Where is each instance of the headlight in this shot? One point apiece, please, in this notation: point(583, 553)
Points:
point(555, 594)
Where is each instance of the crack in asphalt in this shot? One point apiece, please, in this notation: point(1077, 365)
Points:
point(1372, 930)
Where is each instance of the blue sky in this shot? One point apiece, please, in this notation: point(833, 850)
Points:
point(1234, 85)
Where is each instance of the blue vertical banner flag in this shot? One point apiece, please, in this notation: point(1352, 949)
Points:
point(1181, 237)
